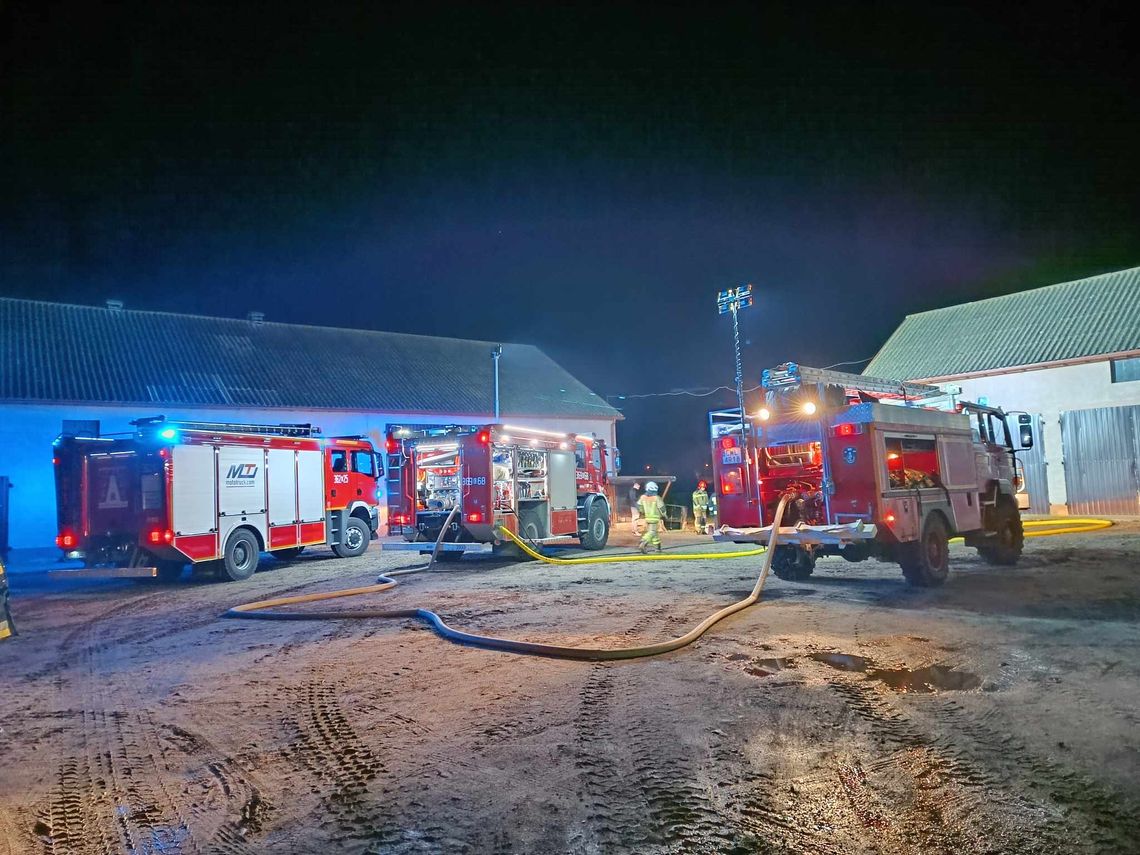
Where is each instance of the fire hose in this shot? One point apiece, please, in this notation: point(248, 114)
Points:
point(262, 610)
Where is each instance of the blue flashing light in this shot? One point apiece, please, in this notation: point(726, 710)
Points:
point(169, 433)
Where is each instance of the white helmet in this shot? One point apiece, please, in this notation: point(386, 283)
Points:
point(651, 487)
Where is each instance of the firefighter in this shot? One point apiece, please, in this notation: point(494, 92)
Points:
point(652, 509)
point(634, 497)
point(701, 507)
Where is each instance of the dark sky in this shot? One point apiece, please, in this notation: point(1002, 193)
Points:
point(583, 179)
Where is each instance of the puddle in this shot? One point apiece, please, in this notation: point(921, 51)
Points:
point(930, 679)
point(842, 661)
point(926, 679)
point(768, 667)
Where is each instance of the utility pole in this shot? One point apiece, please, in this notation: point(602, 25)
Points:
point(732, 301)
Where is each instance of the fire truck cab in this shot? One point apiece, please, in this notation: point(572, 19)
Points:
point(872, 468)
point(213, 495)
point(542, 485)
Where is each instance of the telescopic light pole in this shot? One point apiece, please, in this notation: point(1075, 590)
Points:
point(731, 302)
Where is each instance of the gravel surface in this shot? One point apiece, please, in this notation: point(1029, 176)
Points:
point(845, 714)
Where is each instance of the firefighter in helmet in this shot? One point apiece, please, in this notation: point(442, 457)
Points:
point(652, 508)
point(701, 507)
point(7, 628)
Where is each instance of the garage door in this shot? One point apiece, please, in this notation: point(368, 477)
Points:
point(1102, 460)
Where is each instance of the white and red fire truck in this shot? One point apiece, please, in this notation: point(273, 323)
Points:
point(874, 468)
point(542, 485)
point(213, 494)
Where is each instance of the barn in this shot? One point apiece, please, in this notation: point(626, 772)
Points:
point(99, 367)
point(1067, 354)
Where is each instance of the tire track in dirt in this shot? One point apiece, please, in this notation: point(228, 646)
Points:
point(637, 790)
point(965, 796)
point(329, 748)
point(1111, 823)
point(114, 793)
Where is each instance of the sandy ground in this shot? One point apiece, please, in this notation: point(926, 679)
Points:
point(134, 720)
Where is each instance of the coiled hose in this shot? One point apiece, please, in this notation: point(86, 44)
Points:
point(262, 611)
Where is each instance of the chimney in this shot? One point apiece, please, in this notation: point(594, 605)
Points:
point(115, 305)
point(256, 318)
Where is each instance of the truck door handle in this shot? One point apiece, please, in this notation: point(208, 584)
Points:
point(334, 492)
point(359, 492)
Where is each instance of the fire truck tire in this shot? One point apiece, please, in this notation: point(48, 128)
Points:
point(1005, 547)
point(353, 540)
point(597, 528)
point(926, 561)
point(793, 564)
point(241, 556)
point(289, 553)
point(528, 527)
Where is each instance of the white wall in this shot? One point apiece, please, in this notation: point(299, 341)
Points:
point(1051, 391)
point(27, 433)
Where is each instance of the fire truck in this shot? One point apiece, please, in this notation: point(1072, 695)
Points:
point(542, 485)
point(874, 469)
point(211, 494)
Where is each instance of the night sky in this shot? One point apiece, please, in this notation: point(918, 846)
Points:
point(582, 179)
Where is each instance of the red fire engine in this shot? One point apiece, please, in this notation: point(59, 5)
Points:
point(213, 494)
point(875, 468)
point(542, 485)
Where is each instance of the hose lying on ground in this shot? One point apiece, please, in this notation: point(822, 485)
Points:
point(1067, 525)
point(261, 611)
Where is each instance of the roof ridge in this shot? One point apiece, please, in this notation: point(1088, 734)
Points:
point(1024, 291)
point(185, 315)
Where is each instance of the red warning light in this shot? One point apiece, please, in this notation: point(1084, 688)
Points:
point(159, 536)
point(66, 540)
point(483, 437)
point(846, 429)
point(392, 444)
point(728, 442)
point(890, 518)
point(727, 488)
point(475, 517)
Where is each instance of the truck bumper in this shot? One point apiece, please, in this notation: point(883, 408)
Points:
point(801, 535)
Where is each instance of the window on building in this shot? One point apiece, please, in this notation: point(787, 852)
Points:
point(1125, 370)
point(912, 463)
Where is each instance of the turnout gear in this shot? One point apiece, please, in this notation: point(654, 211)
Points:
point(652, 508)
point(700, 507)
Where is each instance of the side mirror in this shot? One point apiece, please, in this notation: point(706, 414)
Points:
point(617, 460)
point(1025, 431)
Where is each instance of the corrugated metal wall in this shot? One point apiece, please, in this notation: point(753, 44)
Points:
point(1033, 462)
point(1102, 460)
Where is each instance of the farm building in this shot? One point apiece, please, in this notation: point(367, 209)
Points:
point(108, 365)
point(1069, 355)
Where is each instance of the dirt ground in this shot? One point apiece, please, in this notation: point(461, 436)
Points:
point(847, 714)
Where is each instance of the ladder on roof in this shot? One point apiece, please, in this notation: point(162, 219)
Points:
point(291, 430)
point(792, 376)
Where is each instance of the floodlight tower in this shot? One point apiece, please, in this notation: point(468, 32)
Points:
point(732, 301)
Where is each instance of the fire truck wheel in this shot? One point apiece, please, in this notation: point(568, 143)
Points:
point(1005, 547)
point(597, 528)
point(241, 555)
point(793, 564)
point(354, 539)
point(528, 527)
point(926, 561)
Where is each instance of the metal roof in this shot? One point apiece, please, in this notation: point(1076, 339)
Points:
point(1085, 318)
point(85, 354)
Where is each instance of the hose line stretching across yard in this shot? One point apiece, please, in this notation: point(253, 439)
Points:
point(263, 610)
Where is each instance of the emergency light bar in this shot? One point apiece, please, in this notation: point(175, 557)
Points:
point(225, 427)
